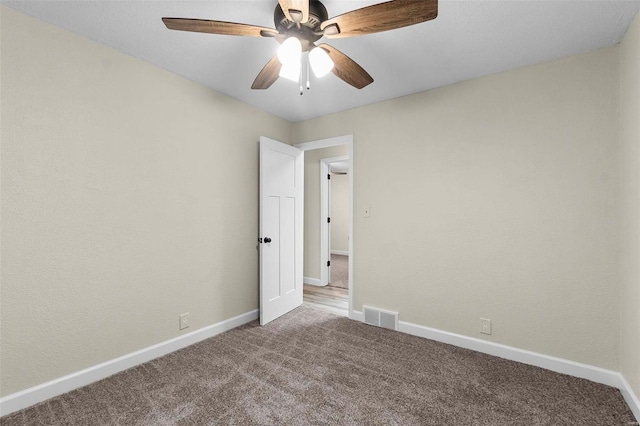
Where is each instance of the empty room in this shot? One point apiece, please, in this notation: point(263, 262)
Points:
point(411, 212)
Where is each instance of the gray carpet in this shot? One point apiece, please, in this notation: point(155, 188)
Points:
point(311, 367)
point(339, 271)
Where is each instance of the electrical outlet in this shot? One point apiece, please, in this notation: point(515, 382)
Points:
point(184, 321)
point(485, 326)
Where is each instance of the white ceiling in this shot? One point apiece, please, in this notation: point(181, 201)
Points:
point(467, 40)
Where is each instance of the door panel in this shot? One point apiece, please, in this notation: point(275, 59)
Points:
point(271, 254)
point(287, 245)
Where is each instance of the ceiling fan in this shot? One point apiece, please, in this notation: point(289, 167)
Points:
point(300, 23)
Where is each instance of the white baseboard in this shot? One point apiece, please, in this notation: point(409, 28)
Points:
point(632, 399)
point(28, 397)
point(312, 281)
point(559, 365)
point(356, 316)
point(340, 252)
point(42, 392)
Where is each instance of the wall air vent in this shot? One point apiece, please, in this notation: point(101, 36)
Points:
point(381, 318)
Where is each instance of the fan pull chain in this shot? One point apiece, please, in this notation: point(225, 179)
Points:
point(308, 66)
point(300, 80)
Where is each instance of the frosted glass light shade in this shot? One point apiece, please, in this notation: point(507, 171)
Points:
point(291, 70)
point(290, 51)
point(321, 63)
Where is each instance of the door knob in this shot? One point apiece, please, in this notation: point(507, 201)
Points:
point(267, 240)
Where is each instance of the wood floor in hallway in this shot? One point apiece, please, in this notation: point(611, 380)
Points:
point(332, 299)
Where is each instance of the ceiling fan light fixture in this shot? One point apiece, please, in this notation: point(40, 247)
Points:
point(320, 61)
point(290, 51)
point(291, 71)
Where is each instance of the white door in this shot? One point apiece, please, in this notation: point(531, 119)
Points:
point(281, 224)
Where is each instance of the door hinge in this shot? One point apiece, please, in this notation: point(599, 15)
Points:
point(328, 263)
point(328, 220)
point(329, 177)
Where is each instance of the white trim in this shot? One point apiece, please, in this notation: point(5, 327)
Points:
point(312, 281)
point(42, 392)
point(28, 397)
point(340, 252)
point(356, 315)
point(630, 397)
point(324, 143)
point(559, 365)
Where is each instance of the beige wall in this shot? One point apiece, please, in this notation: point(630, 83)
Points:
point(117, 209)
point(312, 206)
point(502, 204)
point(630, 205)
point(339, 212)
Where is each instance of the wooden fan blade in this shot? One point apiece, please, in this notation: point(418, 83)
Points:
point(268, 75)
point(295, 10)
point(347, 69)
point(218, 27)
point(380, 17)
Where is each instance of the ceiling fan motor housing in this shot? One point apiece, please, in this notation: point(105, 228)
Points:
point(309, 31)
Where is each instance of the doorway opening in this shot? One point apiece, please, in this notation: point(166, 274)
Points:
point(334, 197)
point(328, 224)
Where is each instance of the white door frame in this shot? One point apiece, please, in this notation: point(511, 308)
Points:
point(325, 143)
point(325, 209)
